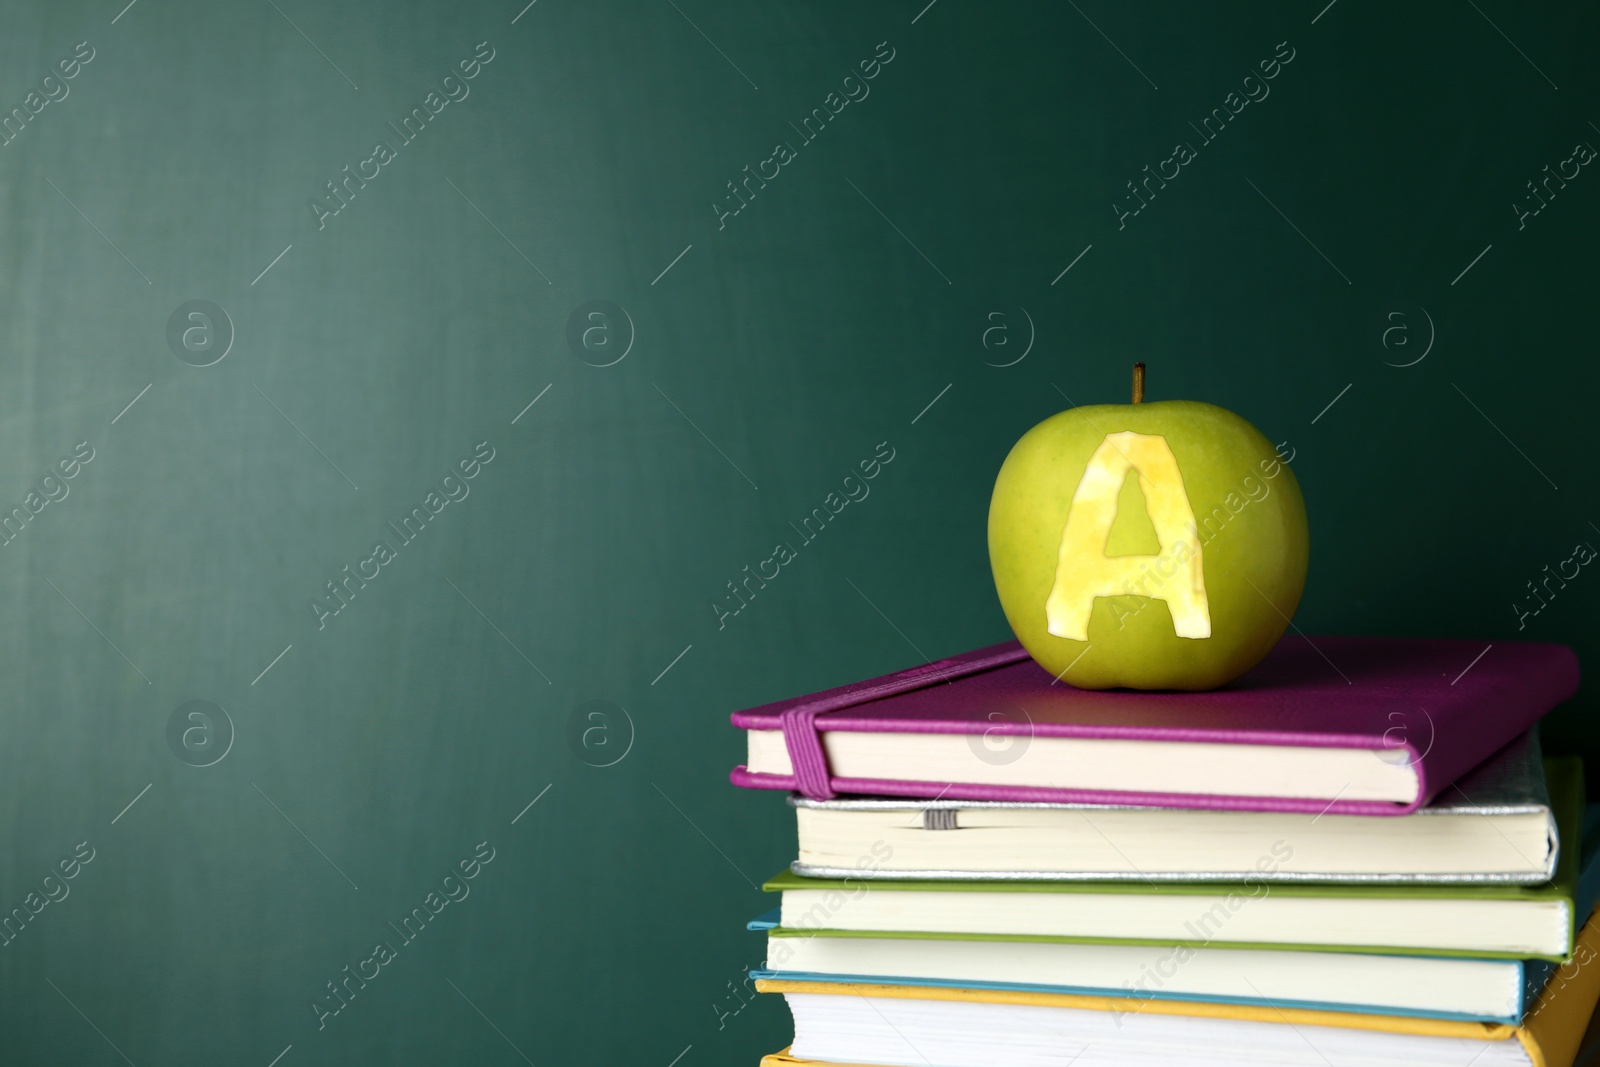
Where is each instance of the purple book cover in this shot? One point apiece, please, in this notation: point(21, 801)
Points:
point(1344, 692)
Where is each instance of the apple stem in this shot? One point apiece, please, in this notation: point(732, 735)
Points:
point(1138, 383)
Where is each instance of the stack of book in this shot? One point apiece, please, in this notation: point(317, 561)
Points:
point(1353, 855)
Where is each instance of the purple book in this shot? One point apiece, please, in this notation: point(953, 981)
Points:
point(1349, 725)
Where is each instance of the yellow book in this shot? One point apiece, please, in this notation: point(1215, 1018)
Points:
point(1550, 1034)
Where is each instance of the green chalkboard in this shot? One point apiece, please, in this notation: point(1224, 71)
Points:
point(389, 395)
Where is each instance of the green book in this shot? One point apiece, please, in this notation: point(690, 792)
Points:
point(1478, 920)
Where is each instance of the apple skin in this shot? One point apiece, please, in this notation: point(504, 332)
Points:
point(1254, 563)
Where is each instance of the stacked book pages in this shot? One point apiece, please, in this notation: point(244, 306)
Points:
point(1354, 855)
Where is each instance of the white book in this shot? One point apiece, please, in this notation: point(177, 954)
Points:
point(1494, 826)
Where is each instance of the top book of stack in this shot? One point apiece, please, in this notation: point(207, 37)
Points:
point(1344, 725)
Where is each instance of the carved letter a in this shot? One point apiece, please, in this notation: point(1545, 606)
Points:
point(1084, 571)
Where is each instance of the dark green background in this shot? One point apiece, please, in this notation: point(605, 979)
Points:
point(608, 927)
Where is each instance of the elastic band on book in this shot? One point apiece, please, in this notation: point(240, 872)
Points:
point(804, 743)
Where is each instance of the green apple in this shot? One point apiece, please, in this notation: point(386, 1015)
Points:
point(1149, 546)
